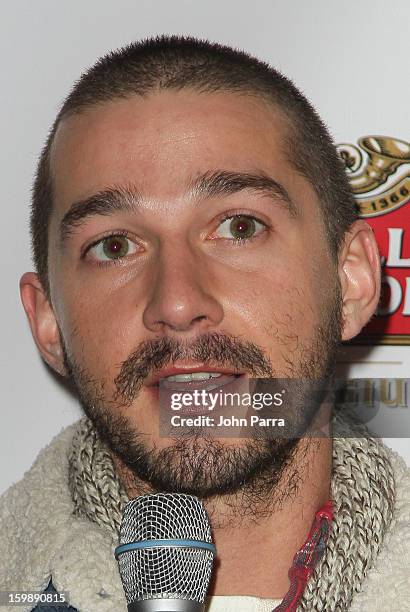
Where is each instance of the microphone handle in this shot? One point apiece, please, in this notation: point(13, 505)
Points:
point(165, 605)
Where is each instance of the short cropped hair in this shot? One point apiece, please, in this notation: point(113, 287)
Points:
point(178, 63)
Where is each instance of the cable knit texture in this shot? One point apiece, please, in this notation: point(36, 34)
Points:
point(62, 520)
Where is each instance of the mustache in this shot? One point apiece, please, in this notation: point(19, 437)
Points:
point(215, 349)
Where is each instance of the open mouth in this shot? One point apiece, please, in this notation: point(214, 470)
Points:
point(197, 380)
point(190, 379)
point(194, 390)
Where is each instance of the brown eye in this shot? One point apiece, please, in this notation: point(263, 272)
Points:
point(115, 246)
point(240, 227)
point(112, 248)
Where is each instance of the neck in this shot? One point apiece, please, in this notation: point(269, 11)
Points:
point(257, 536)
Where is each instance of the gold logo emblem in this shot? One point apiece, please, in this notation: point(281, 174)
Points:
point(370, 165)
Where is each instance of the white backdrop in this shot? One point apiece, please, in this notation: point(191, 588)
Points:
point(350, 59)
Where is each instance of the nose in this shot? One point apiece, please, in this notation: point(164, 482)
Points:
point(181, 297)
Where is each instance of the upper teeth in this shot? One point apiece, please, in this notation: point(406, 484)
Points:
point(193, 376)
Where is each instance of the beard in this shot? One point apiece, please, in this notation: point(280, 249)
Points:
point(200, 464)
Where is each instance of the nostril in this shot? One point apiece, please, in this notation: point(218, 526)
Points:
point(197, 319)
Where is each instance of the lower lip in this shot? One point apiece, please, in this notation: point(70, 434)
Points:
point(230, 383)
point(210, 384)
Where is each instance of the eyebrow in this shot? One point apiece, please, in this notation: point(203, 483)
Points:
point(103, 203)
point(212, 184)
point(208, 185)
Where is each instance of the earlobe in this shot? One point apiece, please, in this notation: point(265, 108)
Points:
point(359, 273)
point(42, 321)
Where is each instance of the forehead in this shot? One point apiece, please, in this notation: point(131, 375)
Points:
point(162, 141)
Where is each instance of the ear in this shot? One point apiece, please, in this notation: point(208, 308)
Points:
point(359, 273)
point(42, 321)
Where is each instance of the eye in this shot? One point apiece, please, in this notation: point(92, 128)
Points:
point(240, 227)
point(112, 247)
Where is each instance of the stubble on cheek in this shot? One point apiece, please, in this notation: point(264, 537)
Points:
point(288, 325)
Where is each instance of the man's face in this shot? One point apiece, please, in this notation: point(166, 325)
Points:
point(206, 251)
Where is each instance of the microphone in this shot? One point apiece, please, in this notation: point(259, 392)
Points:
point(165, 554)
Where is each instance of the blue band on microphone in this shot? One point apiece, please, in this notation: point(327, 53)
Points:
point(158, 543)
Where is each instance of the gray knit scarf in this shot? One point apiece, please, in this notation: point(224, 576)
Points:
point(362, 490)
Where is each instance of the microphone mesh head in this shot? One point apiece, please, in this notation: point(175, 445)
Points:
point(175, 573)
